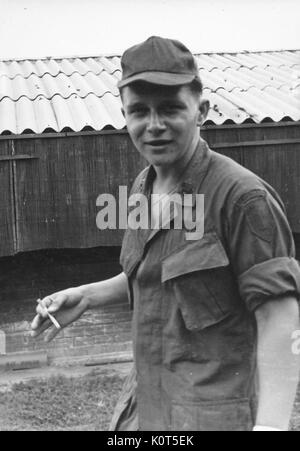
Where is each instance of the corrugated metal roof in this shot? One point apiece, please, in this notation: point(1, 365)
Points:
point(81, 93)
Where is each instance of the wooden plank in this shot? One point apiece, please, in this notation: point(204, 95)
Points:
point(281, 169)
point(219, 136)
point(16, 157)
point(252, 125)
point(297, 244)
point(6, 203)
point(57, 192)
point(265, 143)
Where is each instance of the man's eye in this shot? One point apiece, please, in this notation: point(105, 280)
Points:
point(138, 110)
point(169, 109)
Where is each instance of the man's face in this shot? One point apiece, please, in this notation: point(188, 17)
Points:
point(162, 121)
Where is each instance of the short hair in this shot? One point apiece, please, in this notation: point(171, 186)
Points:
point(196, 87)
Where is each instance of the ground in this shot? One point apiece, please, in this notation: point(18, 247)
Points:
point(68, 399)
point(60, 399)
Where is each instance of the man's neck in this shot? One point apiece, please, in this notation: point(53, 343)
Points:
point(167, 177)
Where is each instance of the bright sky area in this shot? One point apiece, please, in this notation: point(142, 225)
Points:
point(40, 28)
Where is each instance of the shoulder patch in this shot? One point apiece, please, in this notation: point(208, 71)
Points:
point(259, 217)
point(250, 196)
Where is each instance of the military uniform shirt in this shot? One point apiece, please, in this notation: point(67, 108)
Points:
point(194, 301)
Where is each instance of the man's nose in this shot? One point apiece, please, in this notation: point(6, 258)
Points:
point(155, 123)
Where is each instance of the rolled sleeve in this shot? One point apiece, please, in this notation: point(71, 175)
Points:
point(271, 279)
point(262, 249)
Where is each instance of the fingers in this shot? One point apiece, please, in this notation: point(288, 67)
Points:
point(41, 317)
point(51, 334)
point(64, 317)
point(37, 321)
point(67, 316)
point(51, 303)
point(39, 325)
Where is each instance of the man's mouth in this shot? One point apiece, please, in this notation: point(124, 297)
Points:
point(159, 142)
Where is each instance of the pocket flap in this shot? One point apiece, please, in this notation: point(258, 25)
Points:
point(206, 253)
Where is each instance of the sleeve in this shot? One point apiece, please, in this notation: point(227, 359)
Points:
point(262, 249)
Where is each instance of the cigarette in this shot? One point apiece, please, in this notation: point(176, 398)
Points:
point(52, 319)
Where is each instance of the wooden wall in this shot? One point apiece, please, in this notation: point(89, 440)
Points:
point(7, 222)
point(48, 201)
point(53, 202)
point(271, 151)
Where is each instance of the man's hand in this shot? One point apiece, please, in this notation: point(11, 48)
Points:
point(66, 307)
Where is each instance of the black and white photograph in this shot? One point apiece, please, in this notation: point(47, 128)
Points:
point(150, 218)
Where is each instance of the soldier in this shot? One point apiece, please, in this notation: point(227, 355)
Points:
point(211, 315)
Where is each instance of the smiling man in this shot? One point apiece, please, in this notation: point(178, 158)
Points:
point(213, 317)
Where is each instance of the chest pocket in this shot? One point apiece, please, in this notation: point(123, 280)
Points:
point(198, 278)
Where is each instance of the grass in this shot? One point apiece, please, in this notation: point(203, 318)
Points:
point(61, 403)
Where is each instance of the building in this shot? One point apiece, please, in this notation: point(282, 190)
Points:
point(63, 142)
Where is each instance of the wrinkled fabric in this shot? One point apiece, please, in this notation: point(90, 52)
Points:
point(125, 417)
point(270, 279)
point(194, 328)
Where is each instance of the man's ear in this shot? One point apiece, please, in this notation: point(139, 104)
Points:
point(203, 111)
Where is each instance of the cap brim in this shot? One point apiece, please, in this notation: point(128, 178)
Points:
point(159, 78)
